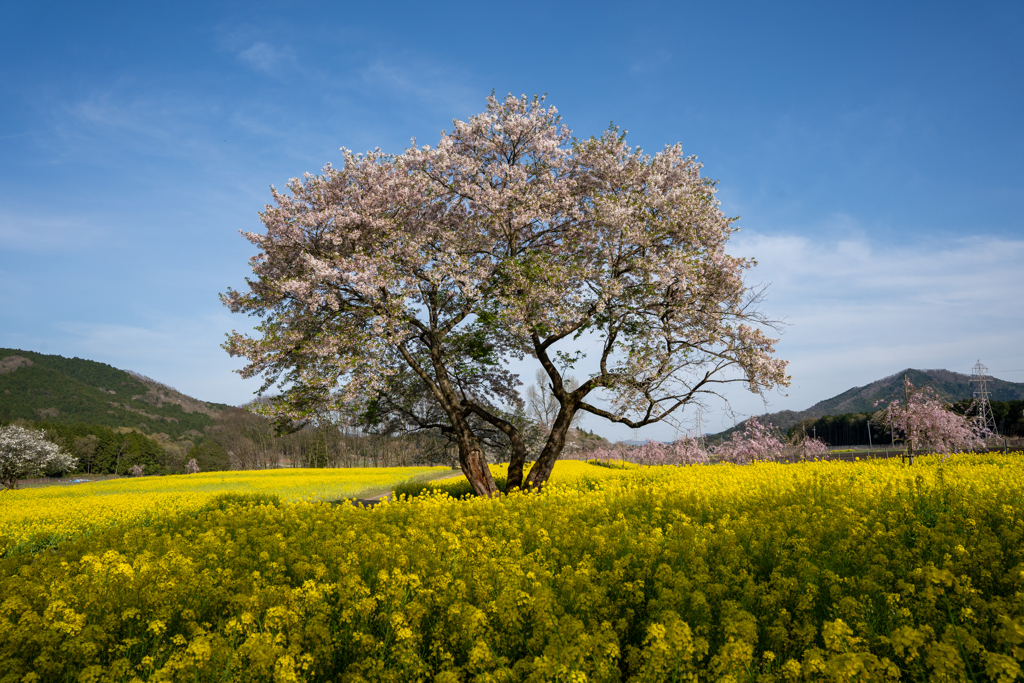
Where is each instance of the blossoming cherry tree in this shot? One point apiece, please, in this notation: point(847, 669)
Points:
point(422, 274)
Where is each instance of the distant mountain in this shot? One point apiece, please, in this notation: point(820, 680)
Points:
point(949, 386)
point(34, 386)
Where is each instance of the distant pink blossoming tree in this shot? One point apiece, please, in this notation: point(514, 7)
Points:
point(755, 442)
point(685, 451)
point(421, 274)
point(809, 448)
point(922, 422)
point(752, 443)
point(688, 451)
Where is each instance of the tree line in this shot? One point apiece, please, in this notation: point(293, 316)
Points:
point(238, 440)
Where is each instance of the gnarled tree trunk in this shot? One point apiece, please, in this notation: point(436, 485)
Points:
point(474, 466)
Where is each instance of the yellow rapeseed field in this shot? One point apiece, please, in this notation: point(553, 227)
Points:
point(49, 514)
point(826, 571)
point(565, 472)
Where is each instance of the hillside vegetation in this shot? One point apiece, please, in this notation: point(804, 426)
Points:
point(851, 429)
point(65, 391)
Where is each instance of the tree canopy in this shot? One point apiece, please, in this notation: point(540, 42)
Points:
point(421, 274)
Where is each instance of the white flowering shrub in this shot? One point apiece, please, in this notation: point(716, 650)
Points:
point(26, 453)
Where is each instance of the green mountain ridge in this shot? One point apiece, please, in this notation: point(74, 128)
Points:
point(59, 390)
point(949, 386)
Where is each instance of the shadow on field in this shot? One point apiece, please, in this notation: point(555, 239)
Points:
point(360, 502)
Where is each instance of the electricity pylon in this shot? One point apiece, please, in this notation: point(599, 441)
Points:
point(979, 377)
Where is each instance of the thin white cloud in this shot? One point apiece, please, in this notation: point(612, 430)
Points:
point(267, 58)
point(652, 63)
point(125, 123)
point(418, 77)
point(47, 234)
point(977, 276)
point(129, 107)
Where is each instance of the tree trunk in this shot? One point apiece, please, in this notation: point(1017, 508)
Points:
point(515, 471)
point(474, 466)
point(541, 470)
point(515, 465)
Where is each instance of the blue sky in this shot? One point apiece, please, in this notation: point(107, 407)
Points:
point(872, 150)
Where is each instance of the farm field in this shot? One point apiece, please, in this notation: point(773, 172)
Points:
point(43, 516)
point(838, 571)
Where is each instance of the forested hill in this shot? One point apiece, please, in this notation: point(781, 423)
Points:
point(949, 386)
point(59, 390)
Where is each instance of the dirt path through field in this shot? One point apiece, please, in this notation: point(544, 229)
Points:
point(371, 498)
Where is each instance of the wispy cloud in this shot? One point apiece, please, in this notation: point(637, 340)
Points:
point(420, 78)
point(654, 62)
point(156, 113)
point(125, 122)
point(39, 233)
point(267, 58)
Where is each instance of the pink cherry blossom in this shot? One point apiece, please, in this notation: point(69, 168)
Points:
point(753, 443)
